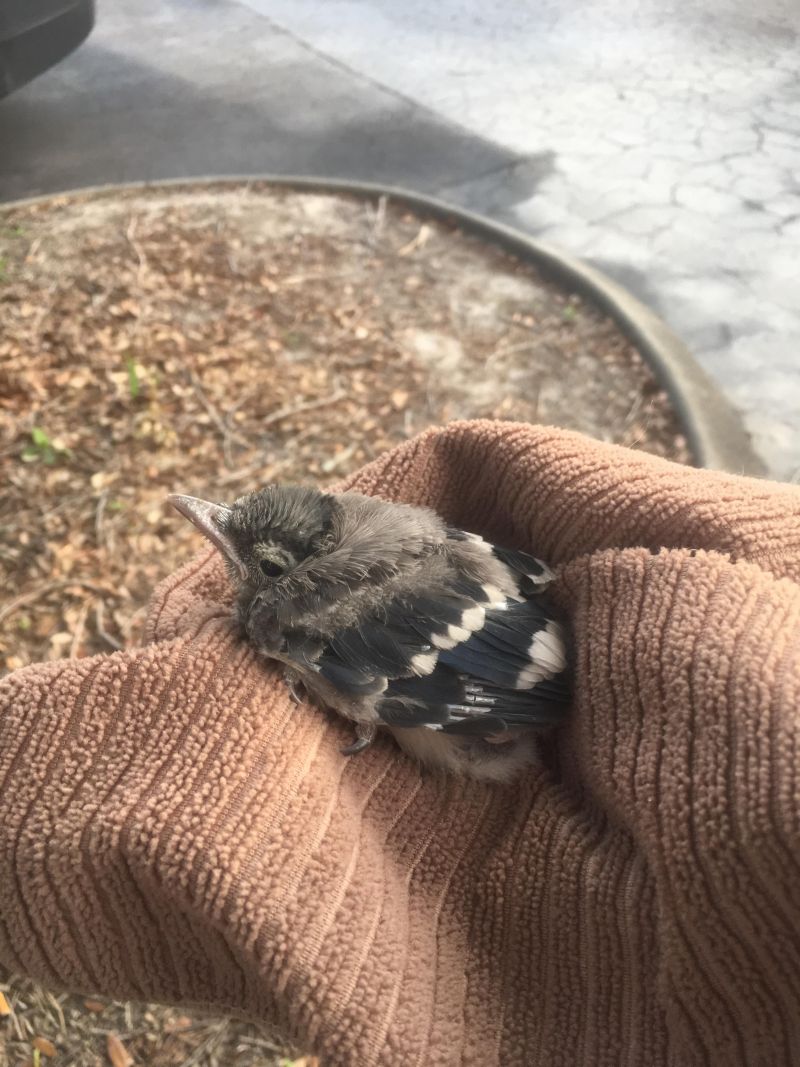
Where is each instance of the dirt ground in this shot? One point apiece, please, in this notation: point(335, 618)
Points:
point(207, 341)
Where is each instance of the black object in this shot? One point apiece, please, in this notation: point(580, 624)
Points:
point(37, 34)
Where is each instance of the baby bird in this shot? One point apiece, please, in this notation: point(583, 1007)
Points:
point(394, 619)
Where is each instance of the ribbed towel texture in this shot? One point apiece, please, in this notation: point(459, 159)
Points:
point(174, 828)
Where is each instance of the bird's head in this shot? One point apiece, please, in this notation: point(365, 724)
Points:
point(264, 536)
point(297, 551)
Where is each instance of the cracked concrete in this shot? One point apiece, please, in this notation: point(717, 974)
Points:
point(658, 142)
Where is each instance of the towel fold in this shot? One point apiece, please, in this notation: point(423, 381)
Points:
point(174, 828)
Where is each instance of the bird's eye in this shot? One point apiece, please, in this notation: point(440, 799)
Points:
point(270, 569)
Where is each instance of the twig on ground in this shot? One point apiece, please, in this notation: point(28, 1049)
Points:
point(634, 410)
point(49, 587)
point(510, 350)
point(213, 1039)
point(265, 1044)
point(59, 1011)
point(226, 430)
point(416, 242)
point(633, 442)
point(44, 311)
point(14, 1017)
point(267, 471)
point(230, 429)
point(80, 627)
point(130, 236)
point(328, 466)
point(100, 626)
point(378, 220)
point(99, 514)
point(306, 405)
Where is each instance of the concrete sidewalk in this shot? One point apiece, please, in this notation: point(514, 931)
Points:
point(661, 144)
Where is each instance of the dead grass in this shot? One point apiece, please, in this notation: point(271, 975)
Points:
point(97, 1032)
point(208, 341)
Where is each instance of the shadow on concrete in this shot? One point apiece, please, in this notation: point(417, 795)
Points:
point(105, 117)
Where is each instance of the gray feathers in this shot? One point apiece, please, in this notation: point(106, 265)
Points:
point(389, 616)
point(350, 548)
point(368, 544)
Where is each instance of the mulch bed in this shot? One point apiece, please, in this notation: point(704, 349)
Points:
point(208, 340)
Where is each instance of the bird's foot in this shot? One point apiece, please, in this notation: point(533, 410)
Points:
point(500, 739)
point(365, 735)
point(297, 691)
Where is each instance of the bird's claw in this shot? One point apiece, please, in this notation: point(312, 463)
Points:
point(357, 746)
point(365, 735)
point(297, 690)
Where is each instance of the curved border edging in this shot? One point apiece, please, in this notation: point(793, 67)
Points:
point(714, 430)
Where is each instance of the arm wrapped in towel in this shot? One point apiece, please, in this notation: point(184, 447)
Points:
point(174, 828)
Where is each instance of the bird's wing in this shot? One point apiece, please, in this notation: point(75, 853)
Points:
point(532, 575)
point(404, 639)
point(512, 671)
point(464, 658)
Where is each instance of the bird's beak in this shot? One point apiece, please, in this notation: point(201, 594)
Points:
point(209, 519)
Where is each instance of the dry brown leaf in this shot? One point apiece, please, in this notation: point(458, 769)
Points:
point(94, 1005)
point(45, 1046)
point(117, 1053)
